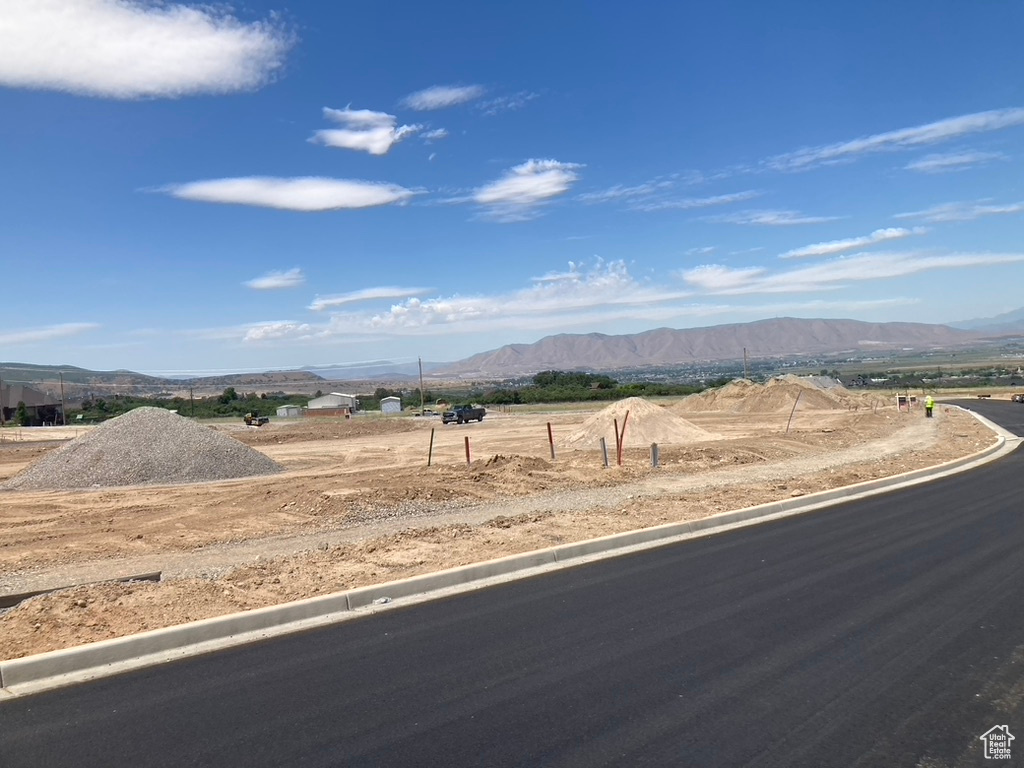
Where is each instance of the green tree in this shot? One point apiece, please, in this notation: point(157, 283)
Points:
point(229, 395)
point(21, 416)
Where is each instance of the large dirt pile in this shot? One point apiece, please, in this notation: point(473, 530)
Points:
point(648, 423)
point(776, 395)
point(146, 446)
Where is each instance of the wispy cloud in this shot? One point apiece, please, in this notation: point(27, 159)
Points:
point(16, 336)
point(717, 279)
point(509, 103)
point(434, 135)
point(321, 303)
point(517, 194)
point(275, 281)
point(442, 96)
point(125, 49)
point(852, 243)
point(554, 297)
point(648, 192)
point(691, 203)
point(952, 161)
point(582, 294)
point(768, 218)
point(590, 295)
point(308, 193)
point(622, 192)
point(364, 130)
point(962, 211)
point(903, 138)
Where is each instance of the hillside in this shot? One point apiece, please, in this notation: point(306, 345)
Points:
point(81, 381)
point(779, 337)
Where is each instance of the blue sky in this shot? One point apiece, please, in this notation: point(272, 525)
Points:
point(196, 189)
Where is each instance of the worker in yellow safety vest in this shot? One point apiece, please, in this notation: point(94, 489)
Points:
point(929, 403)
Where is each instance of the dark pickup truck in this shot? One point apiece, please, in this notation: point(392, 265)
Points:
point(460, 414)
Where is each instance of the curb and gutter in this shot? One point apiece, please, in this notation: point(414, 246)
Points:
point(55, 669)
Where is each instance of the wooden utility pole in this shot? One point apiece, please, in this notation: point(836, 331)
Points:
point(63, 416)
point(420, 359)
point(745, 363)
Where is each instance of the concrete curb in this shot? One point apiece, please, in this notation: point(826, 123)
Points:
point(56, 669)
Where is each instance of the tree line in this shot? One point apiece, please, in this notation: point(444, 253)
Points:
point(574, 386)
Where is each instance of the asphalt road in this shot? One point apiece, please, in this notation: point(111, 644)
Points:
point(882, 632)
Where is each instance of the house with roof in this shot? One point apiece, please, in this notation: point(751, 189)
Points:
point(41, 407)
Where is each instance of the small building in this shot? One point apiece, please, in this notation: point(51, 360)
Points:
point(41, 407)
point(333, 400)
point(333, 404)
point(391, 404)
point(289, 412)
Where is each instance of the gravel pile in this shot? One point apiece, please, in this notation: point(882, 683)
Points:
point(146, 446)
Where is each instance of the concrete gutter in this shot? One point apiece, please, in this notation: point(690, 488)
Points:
point(56, 669)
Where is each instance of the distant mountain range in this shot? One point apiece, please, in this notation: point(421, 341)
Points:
point(661, 347)
point(75, 379)
point(1006, 323)
point(780, 337)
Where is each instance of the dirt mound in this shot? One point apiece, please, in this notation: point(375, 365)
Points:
point(146, 446)
point(515, 462)
point(648, 423)
point(778, 394)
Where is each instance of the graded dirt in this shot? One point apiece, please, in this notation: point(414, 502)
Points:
point(358, 504)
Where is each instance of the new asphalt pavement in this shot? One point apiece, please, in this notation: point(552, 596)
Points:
point(885, 631)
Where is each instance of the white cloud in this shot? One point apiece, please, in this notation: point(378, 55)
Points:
point(512, 102)
point(359, 118)
point(951, 161)
point(364, 130)
point(833, 274)
point(126, 49)
point(962, 211)
point(516, 195)
point(308, 193)
point(716, 278)
point(691, 203)
point(17, 336)
point(852, 243)
point(321, 303)
point(441, 96)
point(274, 281)
point(768, 218)
point(435, 134)
point(278, 330)
point(904, 138)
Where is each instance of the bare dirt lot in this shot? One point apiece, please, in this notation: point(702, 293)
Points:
point(358, 505)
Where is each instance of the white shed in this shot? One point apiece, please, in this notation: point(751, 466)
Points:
point(289, 411)
point(333, 400)
point(391, 404)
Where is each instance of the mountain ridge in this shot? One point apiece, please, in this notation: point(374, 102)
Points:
point(777, 337)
